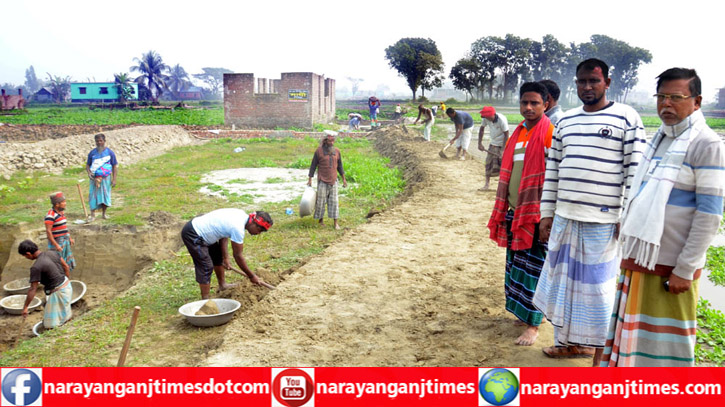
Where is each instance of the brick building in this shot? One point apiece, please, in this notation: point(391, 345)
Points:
point(9, 102)
point(298, 99)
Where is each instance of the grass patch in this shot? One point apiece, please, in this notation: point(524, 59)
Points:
point(710, 334)
point(162, 337)
point(82, 115)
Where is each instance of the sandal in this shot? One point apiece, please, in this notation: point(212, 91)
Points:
point(568, 352)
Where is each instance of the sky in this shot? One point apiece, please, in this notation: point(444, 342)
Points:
point(92, 40)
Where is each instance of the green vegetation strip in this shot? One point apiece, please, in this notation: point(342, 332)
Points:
point(82, 115)
point(171, 183)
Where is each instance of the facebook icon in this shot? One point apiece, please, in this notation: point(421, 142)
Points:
point(22, 387)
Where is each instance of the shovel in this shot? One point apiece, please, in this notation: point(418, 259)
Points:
point(264, 284)
point(442, 153)
point(85, 211)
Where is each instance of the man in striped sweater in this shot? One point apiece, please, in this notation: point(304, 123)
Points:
point(590, 167)
point(674, 211)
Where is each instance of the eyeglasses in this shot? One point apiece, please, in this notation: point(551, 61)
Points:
point(674, 98)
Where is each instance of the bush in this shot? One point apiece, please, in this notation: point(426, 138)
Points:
point(451, 101)
point(422, 99)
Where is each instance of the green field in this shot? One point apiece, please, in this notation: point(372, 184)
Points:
point(79, 115)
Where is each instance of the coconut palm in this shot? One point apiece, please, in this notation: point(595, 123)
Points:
point(60, 87)
point(178, 80)
point(123, 85)
point(152, 68)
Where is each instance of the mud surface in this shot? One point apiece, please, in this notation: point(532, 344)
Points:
point(419, 285)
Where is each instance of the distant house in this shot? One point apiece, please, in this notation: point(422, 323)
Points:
point(106, 92)
point(9, 102)
point(44, 95)
point(192, 93)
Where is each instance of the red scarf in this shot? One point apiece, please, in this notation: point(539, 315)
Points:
point(527, 214)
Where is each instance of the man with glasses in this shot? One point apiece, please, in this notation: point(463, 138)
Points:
point(674, 211)
point(207, 239)
point(590, 168)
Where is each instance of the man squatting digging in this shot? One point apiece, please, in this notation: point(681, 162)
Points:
point(206, 237)
point(519, 190)
point(329, 161)
point(464, 128)
point(53, 273)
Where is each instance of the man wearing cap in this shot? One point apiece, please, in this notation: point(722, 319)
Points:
point(328, 160)
point(51, 271)
point(56, 229)
point(206, 237)
point(464, 127)
point(499, 129)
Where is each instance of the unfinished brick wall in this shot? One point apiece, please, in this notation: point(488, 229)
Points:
point(298, 99)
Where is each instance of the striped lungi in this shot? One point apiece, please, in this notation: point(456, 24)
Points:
point(326, 194)
point(649, 326)
point(578, 281)
point(523, 268)
point(65, 253)
point(57, 306)
point(100, 195)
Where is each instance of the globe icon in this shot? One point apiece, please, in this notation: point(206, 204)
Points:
point(498, 387)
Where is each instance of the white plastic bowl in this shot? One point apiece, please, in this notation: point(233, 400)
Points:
point(307, 203)
point(79, 290)
point(14, 304)
point(226, 306)
point(19, 286)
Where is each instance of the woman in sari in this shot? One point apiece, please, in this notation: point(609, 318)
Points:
point(102, 169)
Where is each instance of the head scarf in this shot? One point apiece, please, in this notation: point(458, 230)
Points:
point(56, 198)
point(259, 221)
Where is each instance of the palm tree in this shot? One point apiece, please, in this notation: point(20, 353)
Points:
point(152, 68)
point(123, 85)
point(178, 80)
point(59, 87)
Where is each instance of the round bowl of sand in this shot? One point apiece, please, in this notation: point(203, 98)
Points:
point(79, 290)
point(217, 311)
point(19, 286)
point(14, 304)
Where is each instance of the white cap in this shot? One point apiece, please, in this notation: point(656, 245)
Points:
point(330, 133)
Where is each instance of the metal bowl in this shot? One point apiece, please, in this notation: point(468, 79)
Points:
point(38, 328)
point(14, 304)
point(226, 306)
point(19, 286)
point(79, 290)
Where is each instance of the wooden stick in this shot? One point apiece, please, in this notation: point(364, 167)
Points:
point(129, 334)
point(20, 331)
point(85, 211)
point(264, 284)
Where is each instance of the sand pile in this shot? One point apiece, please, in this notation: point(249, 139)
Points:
point(209, 308)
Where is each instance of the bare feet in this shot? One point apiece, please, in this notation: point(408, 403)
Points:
point(519, 322)
point(91, 219)
point(484, 189)
point(568, 352)
point(529, 336)
point(337, 227)
point(226, 286)
point(106, 216)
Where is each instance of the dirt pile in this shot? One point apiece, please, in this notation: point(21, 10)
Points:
point(130, 144)
point(24, 133)
point(419, 285)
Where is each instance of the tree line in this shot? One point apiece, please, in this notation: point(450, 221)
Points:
point(497, 65)
point(155, 80)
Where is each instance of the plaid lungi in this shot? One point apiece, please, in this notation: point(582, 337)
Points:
point(523, 268)
point(326, 194)
point(493, 161)
point(57, 306)
point(577, 285)
point(649, 326)
point(66, 253)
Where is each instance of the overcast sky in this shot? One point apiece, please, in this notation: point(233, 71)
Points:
point(95, 39)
